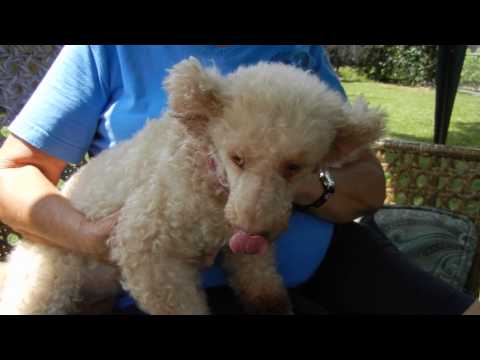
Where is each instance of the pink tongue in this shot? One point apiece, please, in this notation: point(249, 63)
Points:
point(241, 242)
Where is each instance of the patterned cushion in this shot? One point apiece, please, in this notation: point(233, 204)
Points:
point(439, 241)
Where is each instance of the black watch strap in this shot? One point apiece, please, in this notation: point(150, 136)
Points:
point(329, 189)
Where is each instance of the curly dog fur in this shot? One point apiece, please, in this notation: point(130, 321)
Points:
point(264, 127)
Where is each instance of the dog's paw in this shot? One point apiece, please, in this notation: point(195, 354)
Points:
point(268, 305)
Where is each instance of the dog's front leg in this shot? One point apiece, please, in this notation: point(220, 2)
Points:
point(162, 285)
point(257, 283)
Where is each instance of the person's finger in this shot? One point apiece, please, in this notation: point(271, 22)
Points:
point(102, 228)
point(103, 233)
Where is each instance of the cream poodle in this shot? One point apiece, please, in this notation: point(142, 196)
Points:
point(216, 174)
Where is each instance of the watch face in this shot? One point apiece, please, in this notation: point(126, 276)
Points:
point(328, 181)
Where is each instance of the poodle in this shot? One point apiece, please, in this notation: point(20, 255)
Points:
point(215, 175)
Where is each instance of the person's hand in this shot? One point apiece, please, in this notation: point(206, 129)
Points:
point(474, 309)
point(88, 237)
point(93, 236)
point(33, 206)
point(359, 190)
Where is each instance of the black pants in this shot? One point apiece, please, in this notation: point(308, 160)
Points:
point(362, 273)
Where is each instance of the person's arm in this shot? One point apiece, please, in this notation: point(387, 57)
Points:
point(474, 309)
point(360, 186)
point(56, 126)
point(360, 190)
point(31, 204)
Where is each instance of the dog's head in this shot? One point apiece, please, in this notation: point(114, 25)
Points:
point(271, 125)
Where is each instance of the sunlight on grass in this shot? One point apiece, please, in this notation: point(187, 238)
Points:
point(411, 112)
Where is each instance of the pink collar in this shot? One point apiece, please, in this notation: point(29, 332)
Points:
point(221, 181)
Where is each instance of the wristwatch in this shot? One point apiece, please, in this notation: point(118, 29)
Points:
point(328, 182)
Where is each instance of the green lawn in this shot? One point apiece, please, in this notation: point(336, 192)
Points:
point(411, 112)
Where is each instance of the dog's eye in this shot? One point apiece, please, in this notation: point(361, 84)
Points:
point(293, 168)
point(238, 160)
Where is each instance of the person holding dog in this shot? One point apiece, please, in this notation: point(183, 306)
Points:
point(94, 97)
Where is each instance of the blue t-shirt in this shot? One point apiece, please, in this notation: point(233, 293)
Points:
point(95, 96)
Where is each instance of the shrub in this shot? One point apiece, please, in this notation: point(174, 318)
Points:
point(471, 71)
point(351, 74)
point(401, 64)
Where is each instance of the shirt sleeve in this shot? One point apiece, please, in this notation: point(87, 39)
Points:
point(325, 71)
point(61, 116)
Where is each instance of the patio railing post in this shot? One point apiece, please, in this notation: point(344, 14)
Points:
point(449, 69)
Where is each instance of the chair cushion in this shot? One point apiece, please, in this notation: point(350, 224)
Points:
point(439, 241)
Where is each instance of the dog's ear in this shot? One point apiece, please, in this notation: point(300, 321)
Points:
point(358, 128)
point(195, 92)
